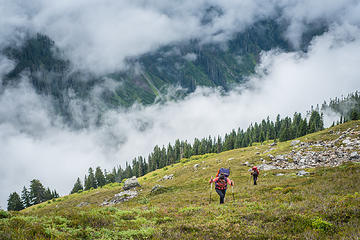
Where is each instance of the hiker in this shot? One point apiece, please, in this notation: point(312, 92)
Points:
point(221, 182)
point(255, 174)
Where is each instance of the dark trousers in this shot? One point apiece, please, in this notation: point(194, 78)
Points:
point(221, 194)
point(255, 178)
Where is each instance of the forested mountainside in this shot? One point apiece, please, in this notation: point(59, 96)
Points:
point(148, 78)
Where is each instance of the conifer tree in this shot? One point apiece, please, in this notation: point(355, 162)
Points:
point(14, 202)
point(90, 181)
point(55, 194)
point(37, 192)
point(25, 198)
point(354, 115)
point(77, 186)
point(48, 194)
point(100, 178)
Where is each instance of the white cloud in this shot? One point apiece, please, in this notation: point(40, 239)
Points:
point(98, 35)
point(190, 57)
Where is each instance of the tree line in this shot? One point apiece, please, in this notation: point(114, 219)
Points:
point(37, 193)
point(282, 129)
point(347, 107)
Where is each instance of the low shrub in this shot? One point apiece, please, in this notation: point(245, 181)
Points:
point(190, 210)
point(4, 214)
point(143, 200)
point(143, 233)
point(322, 225)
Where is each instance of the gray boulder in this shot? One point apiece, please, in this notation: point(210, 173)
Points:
point(196, 166)
point(156, 188)
point(266, 167)
point(131, 183)
point(245, 164)
point(280, 157)
point(121, 197)
point(295, 142)
point(354, 155)
point(168, 177)
point(302, 173)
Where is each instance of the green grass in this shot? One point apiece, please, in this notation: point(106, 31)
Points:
point(322, 205)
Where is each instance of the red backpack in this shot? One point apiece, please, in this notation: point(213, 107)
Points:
point(221, 183)
point(255, 170)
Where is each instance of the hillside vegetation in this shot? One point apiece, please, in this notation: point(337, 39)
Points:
point(325, 204)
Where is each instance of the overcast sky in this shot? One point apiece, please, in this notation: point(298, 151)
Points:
point(99, 35)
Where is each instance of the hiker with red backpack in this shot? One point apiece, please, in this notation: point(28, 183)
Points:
point(255, 174)
point(221, 181)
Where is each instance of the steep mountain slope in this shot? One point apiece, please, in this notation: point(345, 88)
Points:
point(185, 64)
point(323, 204)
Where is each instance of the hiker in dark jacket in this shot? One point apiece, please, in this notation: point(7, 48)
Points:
point(221, 183)
point(255, 174)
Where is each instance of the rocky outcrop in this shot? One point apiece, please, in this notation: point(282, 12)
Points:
point(331, 153)
point(82, 204)
point(266, 167)
point(302, 173)
point(167, 177)
point(156, 188)
point(121, 197)
point(131, 183)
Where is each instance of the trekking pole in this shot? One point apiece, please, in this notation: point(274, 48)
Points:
point(232, 190)
point(211, 188)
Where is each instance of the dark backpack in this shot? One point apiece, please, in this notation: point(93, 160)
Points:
point(224, 171)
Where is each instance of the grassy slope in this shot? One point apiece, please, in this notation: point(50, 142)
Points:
point(325, 204)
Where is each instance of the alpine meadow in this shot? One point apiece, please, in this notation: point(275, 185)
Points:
point(179, 119)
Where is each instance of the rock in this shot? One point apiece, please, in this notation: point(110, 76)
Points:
point(280, 174)
point(168, 177)
point(82, 204)
point(196, 166)
point(257, 153)
point(347, 142)
point(295, 142)
point(280, 157)
point(131, 183)
point(156, 188)
point(230, 159)
point(245, 164)
point(266, 167)
point(273, 144)
point(302, 173)
point(354, 155)
point(121, 197)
